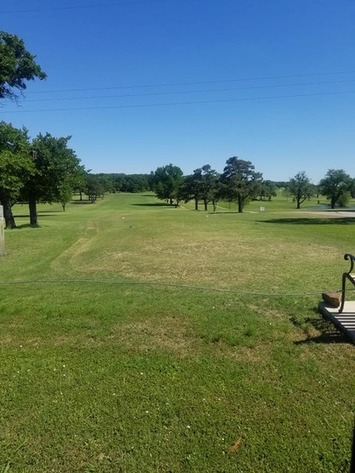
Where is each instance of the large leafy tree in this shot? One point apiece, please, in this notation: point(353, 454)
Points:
point(17, 66)
point(57, 169)
point(15, 167)
point(300, 188)
point(167, 182)
point(240, 181)
point(335, 184)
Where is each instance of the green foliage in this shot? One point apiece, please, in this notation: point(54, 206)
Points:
point(95, 186)
point(15, 167)
point(167, 182)
point(352, 188)
point(15, 162)
point(192, 188)
point(240, 182)
point(55, 164)
point(57, 171)
point(300, 188)
point(268, 190)
point(210, 185)
point(335, 183)
point(128, 182)
point(344, 199)
point(17, 65)
point(134, 183)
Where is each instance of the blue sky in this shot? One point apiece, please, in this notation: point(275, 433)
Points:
point(141, 84)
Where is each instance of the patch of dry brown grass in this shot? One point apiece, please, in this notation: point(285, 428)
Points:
point(168, 333)
point(218, 260)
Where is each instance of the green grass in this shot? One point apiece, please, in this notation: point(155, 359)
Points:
point(135, 337)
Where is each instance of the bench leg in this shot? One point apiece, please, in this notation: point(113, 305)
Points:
point(343, 288)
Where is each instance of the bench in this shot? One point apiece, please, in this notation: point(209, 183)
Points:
point(348, 276)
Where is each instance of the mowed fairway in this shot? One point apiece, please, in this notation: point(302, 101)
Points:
point(136, 337)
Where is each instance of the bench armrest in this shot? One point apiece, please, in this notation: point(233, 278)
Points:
point(350, 257)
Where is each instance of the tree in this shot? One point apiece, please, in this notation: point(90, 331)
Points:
point(56, 169)
point(17, 65)
point(344, 199)
point(300, 188)
point(191, 188)
point(167, 181)
point(209, 186)
point(352, 188)
point(95, 187)
point(201, 185)
point(15, 167)
point(130, 182)
point(80, 182)
point(268, 190)
point(240, 181)
point(335, 183)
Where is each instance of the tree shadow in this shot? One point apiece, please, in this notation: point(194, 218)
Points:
point(49, 211)
point(225, 212)
point(154, 204)
point(27, 225)
point(313, 221)
point(81, 202)
point(46, 213)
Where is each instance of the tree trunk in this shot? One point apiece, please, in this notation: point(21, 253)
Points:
point(8, 216)
point(196, 204)
point(205, 203)
point(240, 204)
point(32, 205)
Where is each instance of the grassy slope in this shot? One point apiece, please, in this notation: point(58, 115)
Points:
point(158, 357)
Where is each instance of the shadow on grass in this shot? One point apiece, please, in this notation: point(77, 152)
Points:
point(328, 332)
point(225, 212)
point(313, 221)
point(155, 204)
point(40, 214)
point(26, 225)
point(81, 202)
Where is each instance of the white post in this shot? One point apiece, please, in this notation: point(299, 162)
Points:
point(2, 236)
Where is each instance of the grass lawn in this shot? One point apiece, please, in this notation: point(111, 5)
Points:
point(135, 337)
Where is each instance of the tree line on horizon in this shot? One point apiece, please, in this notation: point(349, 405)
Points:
point(239, 183)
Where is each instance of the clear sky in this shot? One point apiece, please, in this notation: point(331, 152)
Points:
point(141, 84)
